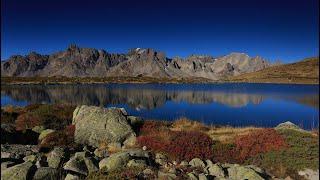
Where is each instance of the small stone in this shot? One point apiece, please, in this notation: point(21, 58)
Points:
point(144, 148)
point(196, 162)
point(101, 153)
point(241, 172)
point(17, 172)
point(137, 163)
point(76, 165)
point(45, 133)
point(31, 158)
point(202, 177)
point(192, 176)
point(38, 129)
point(55, 157)
point(184, 163)
point(5, 155)
point(216, 170)
point(90, 165)
point(7, 164)
point(71, 177)
point(172, 170)
point(168, 176)
point(45, 173)
point(148, 171)
point(115, 161)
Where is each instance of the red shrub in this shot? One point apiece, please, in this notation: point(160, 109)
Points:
point(59, 138)
point(180, 145)
point(186, 145)
point(224, 153)
point(257, 142)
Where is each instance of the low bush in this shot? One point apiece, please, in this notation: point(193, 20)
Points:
point(55, 116)
point(59, 138)
point(257, 142)
point(224, 153)
point(177, 145)
point(8, 115)
point(186, 145)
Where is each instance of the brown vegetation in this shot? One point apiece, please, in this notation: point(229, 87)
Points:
point(303, 72)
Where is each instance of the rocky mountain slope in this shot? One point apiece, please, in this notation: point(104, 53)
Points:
point(88, 62)
point(305, 71)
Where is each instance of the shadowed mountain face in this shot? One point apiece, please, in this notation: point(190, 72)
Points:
point(88, 62)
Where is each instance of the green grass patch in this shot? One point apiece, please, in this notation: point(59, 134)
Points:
point(303, 152)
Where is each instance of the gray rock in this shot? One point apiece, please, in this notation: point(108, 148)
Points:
point(30, 158)
point(137, 163)
point(192, 176)
point(161, 159)
point(148, 171)
point(241, 172)
point(133, 120)
point(90, 164)
point(106, 125)
point(71, 177)
point(168, 176)
point(46, 173)
point(196, 162)
point(184, 163)
point(45, 133)
point(209, 163)
point(309, 174)
point(6, 165)
point(38, 129)
point(115, 161)
point(216, 170)
point(288, 125)
point(202, 176)
point(18, 172)
point(77, 165)
point(55, 157)
point(101, 153)
point(18, 151)
point(5, 155)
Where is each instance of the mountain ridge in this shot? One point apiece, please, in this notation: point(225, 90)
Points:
point(89, 62)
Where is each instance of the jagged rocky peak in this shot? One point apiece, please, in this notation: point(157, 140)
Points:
point(146, 53)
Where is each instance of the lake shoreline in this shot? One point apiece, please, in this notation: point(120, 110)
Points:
point(132, 80)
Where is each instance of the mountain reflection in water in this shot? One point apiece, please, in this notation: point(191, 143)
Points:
point(170, 101)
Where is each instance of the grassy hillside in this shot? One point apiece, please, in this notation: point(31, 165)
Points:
point(303, 72)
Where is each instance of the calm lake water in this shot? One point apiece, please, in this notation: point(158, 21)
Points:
point(263, 105)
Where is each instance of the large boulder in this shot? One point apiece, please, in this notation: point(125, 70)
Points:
point(96, 125)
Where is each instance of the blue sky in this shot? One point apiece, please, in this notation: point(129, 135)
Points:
point(285, 30)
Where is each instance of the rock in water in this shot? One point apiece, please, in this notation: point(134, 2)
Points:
point(96, 124)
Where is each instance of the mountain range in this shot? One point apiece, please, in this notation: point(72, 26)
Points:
point(88, 62)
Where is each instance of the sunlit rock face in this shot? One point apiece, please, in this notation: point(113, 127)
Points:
point(88, 62)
